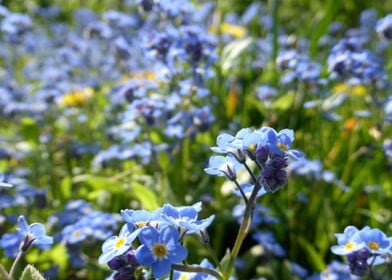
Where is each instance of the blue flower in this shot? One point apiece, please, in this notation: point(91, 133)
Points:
point(24, 238)
point(185, 218)
point(223, 166)
point(267, 240)
point(141, 218)
point(376, 241)
point(280, 143)
point(336, 270)
point(228, 143)
point(248, 189)
point(384, 27)
point(348, 242)
point(10, 242)
point(34, 233)
point(2, 183)
point(160, 249)
point(117, 245)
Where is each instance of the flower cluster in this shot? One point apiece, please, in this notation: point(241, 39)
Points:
point(160, 234)
point(79, 224)
point(265, 147)
point(363, 248)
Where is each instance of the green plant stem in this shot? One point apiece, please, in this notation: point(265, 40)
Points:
point(243, 231)
point(199, 269)
point(213, 255)
point(3, 274)
point(241, 191)
point(13, 267)
point(171, 275)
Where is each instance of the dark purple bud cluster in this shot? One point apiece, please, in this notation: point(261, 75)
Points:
point(274, 174)
point(124, 266)
point(357, 262)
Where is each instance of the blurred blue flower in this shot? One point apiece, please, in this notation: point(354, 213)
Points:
point(25, 236)
point(247, 190)
point(10, 242)
point(34, 234)
point(2, 183)
point(384, 27)
point(267, 240)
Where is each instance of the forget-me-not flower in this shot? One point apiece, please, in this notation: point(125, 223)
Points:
point(117, 245)
point(160, 249)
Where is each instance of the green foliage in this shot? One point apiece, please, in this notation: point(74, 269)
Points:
point(3, 273)
point(30, 273)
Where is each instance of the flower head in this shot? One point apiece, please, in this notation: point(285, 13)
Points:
point(117, 245)
point(185, 217)
point(2, 183)
point(376, 241)
point(160, 249)
point(349, 241)
point(223, 166)
point(34, 234)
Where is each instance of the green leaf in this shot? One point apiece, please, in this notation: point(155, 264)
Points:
point(225, 260)
point(285, 102)
point(147, 197)
point(66, 187)
point(29, 129)
point(30, 273)
point(100, 183)
point(313, 257)
point(3, 273)
point(232, 51)
point(163, 160)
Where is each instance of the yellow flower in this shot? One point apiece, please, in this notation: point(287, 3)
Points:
point(358, 90)
point(77, 98)
point(227, 28)
point(145, 75)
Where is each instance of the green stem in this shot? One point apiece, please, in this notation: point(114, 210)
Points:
point(13, 267)
point(171, 275)
point(3, 274)
point(213, 255)
point(241, 191)
point(243, 231)
point(197, 269)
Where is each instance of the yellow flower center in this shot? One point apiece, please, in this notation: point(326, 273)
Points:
point(77, 233)
point(252, 148)
point(141, 224)
point(119, 242)
point(373, 245)
point(349, 245)
point(183, 277)
point(159, 250)
point(283, 147)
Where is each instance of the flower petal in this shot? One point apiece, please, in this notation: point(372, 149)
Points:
point(144, 255)
point(161, 268)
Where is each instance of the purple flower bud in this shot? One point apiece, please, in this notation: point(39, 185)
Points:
point(117, 263)
point(130, 258)
point(262, 153)
point(279, 162)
